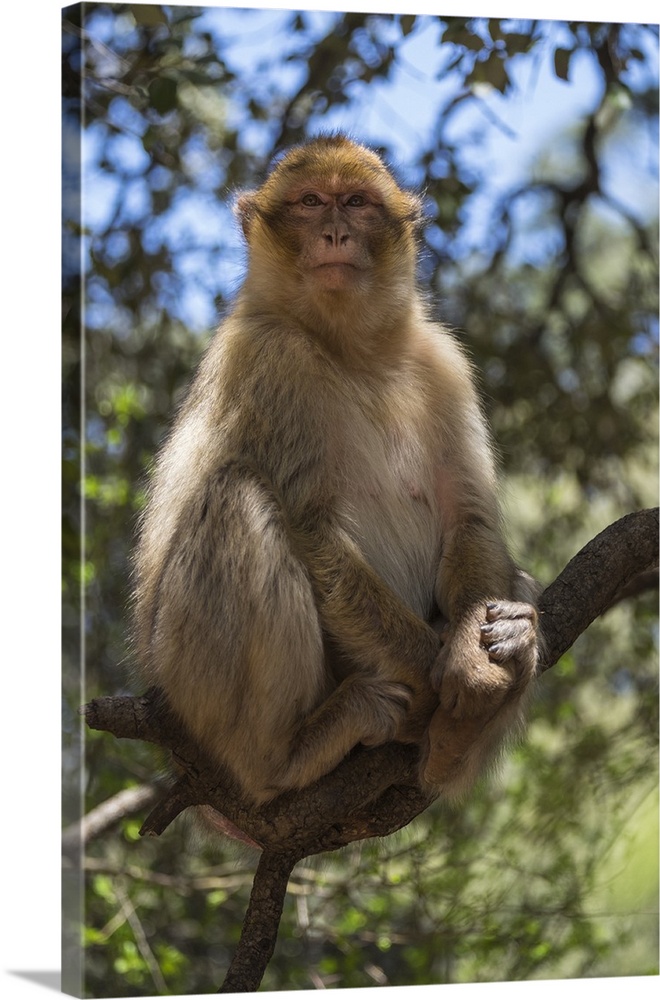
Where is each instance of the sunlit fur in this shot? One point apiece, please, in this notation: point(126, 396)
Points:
point(328, 488)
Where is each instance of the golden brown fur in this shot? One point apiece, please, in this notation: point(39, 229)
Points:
point(328, 485)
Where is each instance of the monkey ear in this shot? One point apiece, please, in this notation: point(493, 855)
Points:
point(417, 215)
point(245, 210)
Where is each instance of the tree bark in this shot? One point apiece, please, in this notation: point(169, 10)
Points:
point(261, 923)
point(595, 578)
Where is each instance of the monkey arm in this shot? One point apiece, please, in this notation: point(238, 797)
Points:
point(475, 567)
point(490, 651)
point(361, 613)
point(483, 672)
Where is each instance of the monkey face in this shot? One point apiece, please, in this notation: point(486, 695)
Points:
point(332, 219)
point(335, 233)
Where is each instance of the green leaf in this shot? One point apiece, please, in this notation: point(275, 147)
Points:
point(459, 34)
point(492, 71)
point(93, 936)
point(162, 94)
point(103, 887)
point(562, 60)
point(149, 15)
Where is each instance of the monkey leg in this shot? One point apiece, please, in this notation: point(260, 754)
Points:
point(460, 743)
point(363, 709)
point(238, 649)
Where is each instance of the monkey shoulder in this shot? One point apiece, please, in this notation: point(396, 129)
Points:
point(447, 379)
point(444, 358)
point(266, 397)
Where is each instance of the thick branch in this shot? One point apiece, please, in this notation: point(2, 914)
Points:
point(594, 579)
point(327, 815)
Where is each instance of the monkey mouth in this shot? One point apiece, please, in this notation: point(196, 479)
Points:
point(337, 263)
point(338, 269)
point(337, 276)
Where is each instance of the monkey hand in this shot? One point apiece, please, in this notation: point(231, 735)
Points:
point(488, 658)
point(383, 706)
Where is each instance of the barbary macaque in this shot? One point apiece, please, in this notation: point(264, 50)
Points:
point(327, 491)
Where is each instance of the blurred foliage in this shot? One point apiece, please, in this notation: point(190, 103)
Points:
point(551, 280)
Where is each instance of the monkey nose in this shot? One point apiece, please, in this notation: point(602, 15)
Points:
point(335, 236)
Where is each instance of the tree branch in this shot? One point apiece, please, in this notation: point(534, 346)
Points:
point(594, 580)
point(261, 923)
point(125, 803)
point(374, 791)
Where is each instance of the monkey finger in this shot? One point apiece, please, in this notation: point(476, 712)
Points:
point(519, 647)
point(497, 610)
point(519, 630)
point(504, 651)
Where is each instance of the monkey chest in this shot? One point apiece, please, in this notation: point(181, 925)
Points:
point(387, 498)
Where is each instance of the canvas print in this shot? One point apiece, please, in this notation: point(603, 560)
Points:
point(360, 346)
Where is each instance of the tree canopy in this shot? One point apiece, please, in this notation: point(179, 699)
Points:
point(535, 146)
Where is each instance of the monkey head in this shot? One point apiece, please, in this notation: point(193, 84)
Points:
point(330, 232)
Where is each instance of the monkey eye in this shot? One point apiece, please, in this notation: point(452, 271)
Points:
point(310, 200)
point(356, 201)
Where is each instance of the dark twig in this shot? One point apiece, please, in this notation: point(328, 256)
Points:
point(179, 797)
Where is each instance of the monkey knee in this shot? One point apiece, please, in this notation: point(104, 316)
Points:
point(470, 685)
